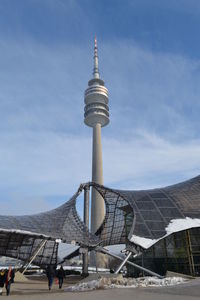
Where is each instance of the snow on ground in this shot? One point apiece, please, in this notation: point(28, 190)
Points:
point(110, 283)
point(175, 225)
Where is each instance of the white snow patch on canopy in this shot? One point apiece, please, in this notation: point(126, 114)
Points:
point(24, 232)
point(182, 224)
point(144, 242)
point(175, 225)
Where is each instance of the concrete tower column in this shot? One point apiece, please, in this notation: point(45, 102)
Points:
point(96, 116)
point(97, 210)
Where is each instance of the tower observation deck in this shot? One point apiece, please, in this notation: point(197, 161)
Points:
point(96, 116)
point(96, 98)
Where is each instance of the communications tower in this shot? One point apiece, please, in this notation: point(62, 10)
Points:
point(96, 116)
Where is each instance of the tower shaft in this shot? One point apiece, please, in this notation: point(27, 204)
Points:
point(97, 210)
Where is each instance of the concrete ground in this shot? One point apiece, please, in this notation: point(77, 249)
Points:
point(37, 289)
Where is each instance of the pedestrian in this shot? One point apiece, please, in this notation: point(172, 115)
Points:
point(50, 275)
point(13, 276)
point(9, 276)
point(60, 276)
point(2, 280)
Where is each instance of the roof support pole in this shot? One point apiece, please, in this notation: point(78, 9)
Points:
point(105, 251)
point(86, 221)
point(40, 246)
point(190, 254)
point(123, 263)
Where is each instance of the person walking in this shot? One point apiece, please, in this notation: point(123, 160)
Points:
point(9, 277)
point(50, 275)
point(60, 276)
point(2, 280)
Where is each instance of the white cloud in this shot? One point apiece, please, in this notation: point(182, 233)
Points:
point(21, 205)
point(147, 160)
point(50, 164)
point(152, 90)
point(50, 161)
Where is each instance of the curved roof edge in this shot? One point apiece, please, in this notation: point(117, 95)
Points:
point(156, 213)
point(27, 233)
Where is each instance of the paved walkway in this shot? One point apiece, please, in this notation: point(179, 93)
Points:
point(38, 290)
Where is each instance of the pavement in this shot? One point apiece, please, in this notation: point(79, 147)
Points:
point(37, 289)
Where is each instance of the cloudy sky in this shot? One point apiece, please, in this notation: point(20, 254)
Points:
point(149, 57)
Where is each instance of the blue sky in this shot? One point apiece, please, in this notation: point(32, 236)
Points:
point(149, 57)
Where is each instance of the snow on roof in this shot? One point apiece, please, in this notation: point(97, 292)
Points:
point(25, 232)
point(143, 242)
point(182, 224)
point(175, 225)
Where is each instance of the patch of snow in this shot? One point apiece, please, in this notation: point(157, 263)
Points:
point(23, 232)
point(110, 283)
point(175, 225)
point(144, 242)
point(182, 224)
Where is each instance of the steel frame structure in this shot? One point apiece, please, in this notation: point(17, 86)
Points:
point(143, 213)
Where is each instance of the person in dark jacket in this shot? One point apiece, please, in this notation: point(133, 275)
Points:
point(9, 277)
point(50, 275)
point(60, 276)
point(13, 276)
point(2, 279)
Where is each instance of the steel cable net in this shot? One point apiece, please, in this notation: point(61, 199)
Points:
point(21, 236)
point(146, 213)
point(119, 217)
point(154, 209)
point(141, 213)
point(23, 247)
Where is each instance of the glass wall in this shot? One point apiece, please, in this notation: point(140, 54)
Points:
point(179, 252)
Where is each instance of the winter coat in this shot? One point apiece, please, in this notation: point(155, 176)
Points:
point(50, 271)
point(60, 273)
point(9, 276)
point(2, 278)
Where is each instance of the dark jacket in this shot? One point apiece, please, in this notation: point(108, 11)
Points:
point(50, 271)
point(60, 273)
point(2, 278)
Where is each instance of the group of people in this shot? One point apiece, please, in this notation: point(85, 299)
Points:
point(6, 278)
point(52, 273)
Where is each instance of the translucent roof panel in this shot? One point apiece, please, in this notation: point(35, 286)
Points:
point(153, 210)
